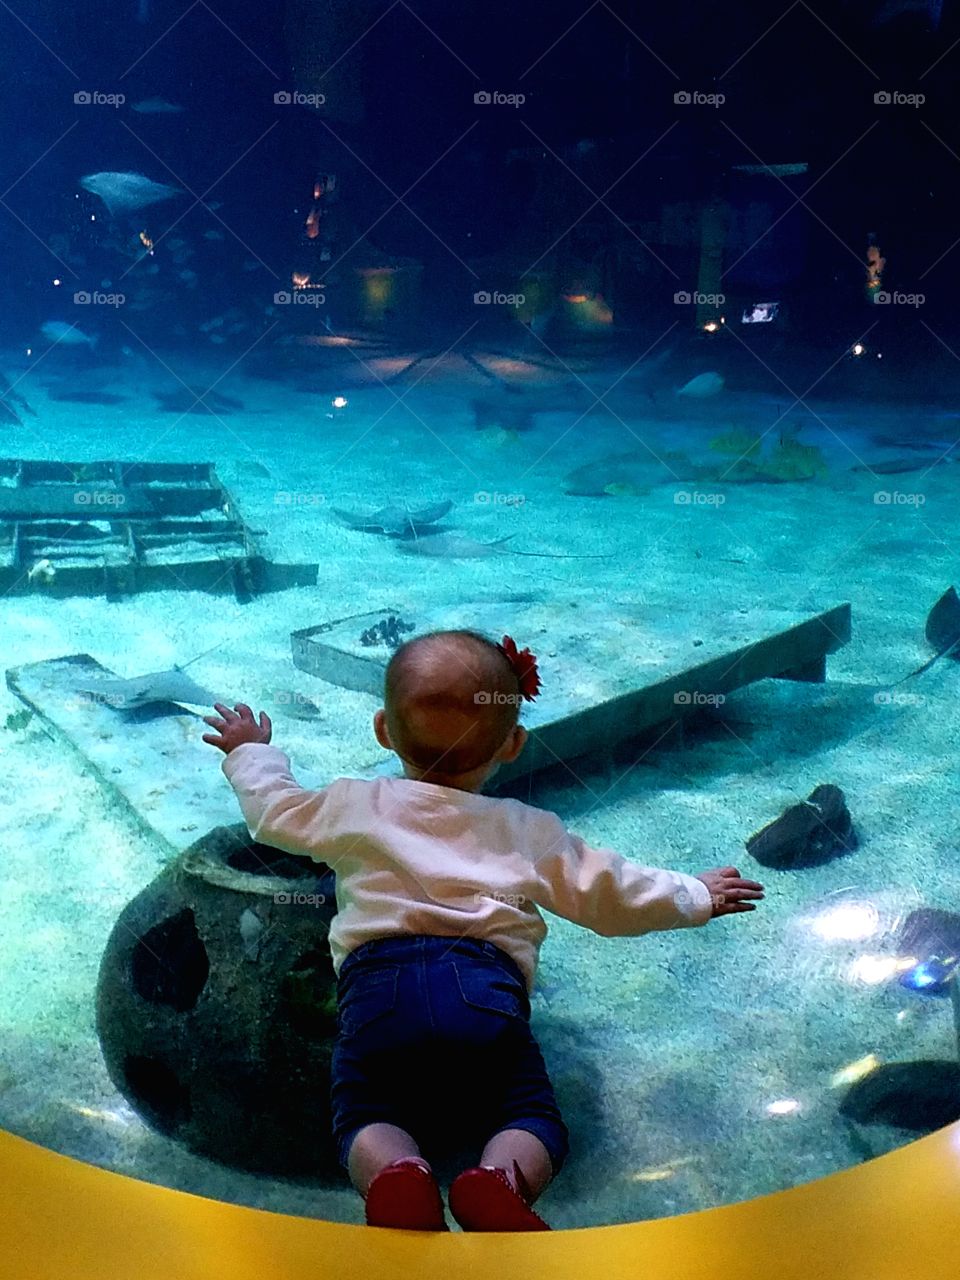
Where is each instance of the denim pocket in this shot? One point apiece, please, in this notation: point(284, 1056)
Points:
point(486, 985)
point(370, 995)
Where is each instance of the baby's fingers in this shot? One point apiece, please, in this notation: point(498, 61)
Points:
point(740, 890)
point(227, 714)
point(265, 724)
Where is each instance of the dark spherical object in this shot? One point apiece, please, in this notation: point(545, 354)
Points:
point(216, 1004)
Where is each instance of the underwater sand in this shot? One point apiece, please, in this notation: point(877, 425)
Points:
point(667, 1050)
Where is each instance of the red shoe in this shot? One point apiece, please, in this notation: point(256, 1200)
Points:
point(405, 1194)
point(483, 1199)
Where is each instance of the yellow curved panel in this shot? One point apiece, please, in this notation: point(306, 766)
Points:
point(896, 1218)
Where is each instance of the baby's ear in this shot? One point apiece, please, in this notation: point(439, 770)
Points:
point(380, 729)
point(514, 745)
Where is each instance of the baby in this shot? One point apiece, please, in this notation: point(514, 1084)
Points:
point(438, 930)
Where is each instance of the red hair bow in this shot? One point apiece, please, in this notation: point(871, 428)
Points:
point(524, 667)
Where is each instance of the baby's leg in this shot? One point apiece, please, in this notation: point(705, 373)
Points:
point(531, 1157)
point(378, 1145)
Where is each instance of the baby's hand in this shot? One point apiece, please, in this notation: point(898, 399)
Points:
point(236, 727)
point(729, 891)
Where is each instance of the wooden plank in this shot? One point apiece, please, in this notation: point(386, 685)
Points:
point(151, 761)
point(608, 676)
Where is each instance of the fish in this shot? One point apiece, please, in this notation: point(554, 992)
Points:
point(125, 192)
point(942, 631)
point(455, 546)
point(702, 386)
point(394, 521)
point(157, 107)
point(632, 472)
point(67, 335)
point(197, 400)
point(297, 705)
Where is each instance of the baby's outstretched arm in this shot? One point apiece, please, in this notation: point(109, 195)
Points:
point(278, 811)
point(729, 892)
point(236, 727)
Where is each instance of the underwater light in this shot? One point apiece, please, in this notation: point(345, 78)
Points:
point(711, 326)
point(854, 1071)
point(339, 402)
point(857, 349)
point(876, 969)
point(783, 1107)
point(56, 282)
point(847, 922)
point(931, 977)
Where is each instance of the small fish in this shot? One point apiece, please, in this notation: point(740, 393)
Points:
point(124, 192)
point(42, 572)
point(157, 107)
point(67, 335)
point(702, 386)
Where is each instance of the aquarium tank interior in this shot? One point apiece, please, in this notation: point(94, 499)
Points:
point(625, 331)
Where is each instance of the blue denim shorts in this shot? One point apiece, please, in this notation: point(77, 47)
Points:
point(434, 1037)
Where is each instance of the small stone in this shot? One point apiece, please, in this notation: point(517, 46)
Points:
point(697, 644)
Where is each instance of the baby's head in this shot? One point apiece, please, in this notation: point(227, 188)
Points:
point(451, 706)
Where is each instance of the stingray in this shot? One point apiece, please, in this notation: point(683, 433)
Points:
point(942, 631)
point(196, 400)
point(155, 686)
point(395, 521)
point(126, 192)
point(454, 546)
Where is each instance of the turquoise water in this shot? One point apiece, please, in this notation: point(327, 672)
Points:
point(695, 1068)
point(669, 371)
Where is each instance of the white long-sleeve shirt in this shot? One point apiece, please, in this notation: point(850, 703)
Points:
point(416, 858)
